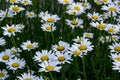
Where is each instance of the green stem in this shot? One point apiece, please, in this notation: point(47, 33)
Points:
point(84, 72)
point(53, 37)
point(51, 76)
point(13, 41)
point(62, 73)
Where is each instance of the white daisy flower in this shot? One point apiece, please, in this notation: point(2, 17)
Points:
point(88, 35)
point(51, 18)
point(77, 7)
point(115, 47)
point(115, 38)
point(20, 26)
point(65, 1)
point(28, 45)
point(74, 23)
point(115, 57)
point(112, 29)
point(105, 1)
point(116, 66)
point(72, 12)
point(5, 55)
point(13, 1)
point(30, 14)
point(104, 39)
point(117, 2)
point(14, 50)
point(86, 5)
point(111, 8)
point(2, 41)
point(62, 46)
point(15, 63)
point(43, 14)
point(98, 2)
point(16, 8)
point(63, 58)
point(3, 74)
point(27, 76)
point(48, 66)
point(75, 51)
point(44, 55)
point(100, 26)
point(48, 27)
point(94, 16)
point(10, 30)
point(26, 2)
point(85, 46)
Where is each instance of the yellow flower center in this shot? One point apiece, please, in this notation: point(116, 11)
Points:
point(82, 47)
point(66, 1)
point(2, 74)
point(15, 8)
point(101, 26)
point(76, 52)
point(27, 79)
point(60, 48)
point(30, 46)
point(43, 58)
point(73, 13)
point(74, 22)
point(77, 8)
point(118, 2)
point(11, 29)
point(61, 58)
point(117, 48)
point(117, 58)
point(84, 5)
point(13, 51)
point(105, 0)
point(49, 68)
point(94, 17)
point(112, 9)
point(48, 28)
point(5, 57)
point(31, 14)
point(87, 35)
point(113, 38)
point(25, 1)
point(111, 30)
point(50, 20)
point(7, 15)
point(15, 64)
point(12, 1)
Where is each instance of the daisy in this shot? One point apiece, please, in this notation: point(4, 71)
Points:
point(5, 55)
point(65, 1)
point(3, 74)
point(26, 2)
point(98, 2)
point(28, 45)
point(115, 57)
point(48, 27)
point(27, 76)
point(48, 66)
point(14, 50)
point(74, 23)
point(43, 14)
point(104, 39)
point(20, 26)
point(115, 38)
point(15, 63)
point(105, 1)
point(111, 8)
point(116, 66)
point(44, 55)
point(30, 14)
point(115, 47)
point(13, 1)
point(75, 51)
point(72, 12)
point(16, 8)
point(117, 2)
point(63, 58)
point(86, 5)
point(77, 7)
point(100, 26)
point(112, 29)
point(95, 16)
point(88, 35)
point(2, 41)
point(10, 30)
point(84, 46)
point(51, 18)
point(79, 39)
point(62, 46)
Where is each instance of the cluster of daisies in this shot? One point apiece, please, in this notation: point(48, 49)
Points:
point(61, 52)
